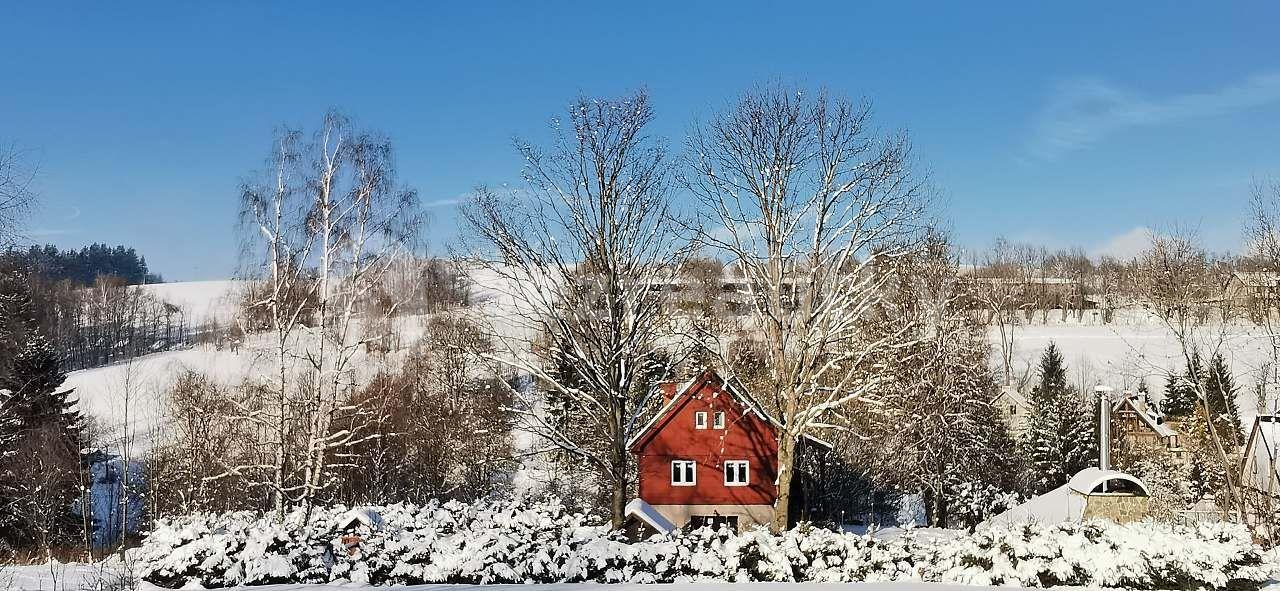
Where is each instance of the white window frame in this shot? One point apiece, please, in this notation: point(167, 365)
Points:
point(700, 419)
point(734, 464)
point(717, 420)
point(684, 464)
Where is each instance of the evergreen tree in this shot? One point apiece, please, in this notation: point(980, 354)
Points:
point(1207, 475)
point(1180, 392)
point(1060, 438)
point(1220, 391)
point(40, 444)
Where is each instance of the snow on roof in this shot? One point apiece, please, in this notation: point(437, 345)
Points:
point(1085, 481)
point(365, 516)
point(1258, 278)
point(1055, 506)
point(1011, 393)
point(1147, 414)
point(645, 512)
point(1063, 504)
point(1263, 450)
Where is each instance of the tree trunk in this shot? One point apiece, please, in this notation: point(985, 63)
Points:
point(786, 472)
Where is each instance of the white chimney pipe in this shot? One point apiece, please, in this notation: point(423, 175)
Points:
point(1104, 427)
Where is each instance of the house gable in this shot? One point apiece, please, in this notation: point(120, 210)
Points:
point(677, 435)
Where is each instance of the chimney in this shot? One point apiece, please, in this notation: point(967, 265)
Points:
point(1104, 426)
point(668, 390)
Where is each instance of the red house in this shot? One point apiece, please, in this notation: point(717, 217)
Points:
point(710, 456)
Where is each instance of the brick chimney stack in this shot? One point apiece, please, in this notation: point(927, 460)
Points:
point(668, 390)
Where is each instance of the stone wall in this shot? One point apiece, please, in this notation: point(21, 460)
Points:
point(1118, 507)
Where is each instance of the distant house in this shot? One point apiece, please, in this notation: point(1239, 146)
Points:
point(1141, 425)
point(709, 457)
point(1253, 290)
point(1013, 408)
point(1258, 467)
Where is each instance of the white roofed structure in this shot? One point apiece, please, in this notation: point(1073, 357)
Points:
point(1258, 468)
point(1091, 494)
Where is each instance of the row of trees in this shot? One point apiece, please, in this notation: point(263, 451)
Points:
point(83, 267)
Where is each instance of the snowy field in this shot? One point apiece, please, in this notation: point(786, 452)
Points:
point(129, 397)
point(1121, 355)
point(1118, 354)
point(202, 301)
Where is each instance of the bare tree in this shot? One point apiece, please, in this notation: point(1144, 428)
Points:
point(1262, 235)
point(1000, 286)
point(325, 223)
point(17, 194)
point(808, 201)
point(935, 427)
point(582, 257)
point(1176, 279)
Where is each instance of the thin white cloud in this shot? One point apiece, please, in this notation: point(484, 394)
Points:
point(1125, 245)
point(1084, 111)
point(442, 202)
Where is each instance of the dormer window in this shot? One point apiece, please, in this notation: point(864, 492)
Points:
point(700, 420)
point(719, 420)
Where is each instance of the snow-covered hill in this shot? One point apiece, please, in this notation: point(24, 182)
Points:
point(203, 301)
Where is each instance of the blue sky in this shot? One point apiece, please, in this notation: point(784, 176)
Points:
point(1059, 123)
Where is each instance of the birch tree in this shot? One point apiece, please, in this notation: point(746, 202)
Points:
point(325, 223)
point(582, 256)
point(1002, 285)
point(807, 200)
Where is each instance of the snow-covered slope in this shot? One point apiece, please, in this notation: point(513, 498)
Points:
point(203, 301)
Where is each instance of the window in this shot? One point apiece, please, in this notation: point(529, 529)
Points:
point(713, 521)
point(684, 473)
point(699, 420)
point(737, 473)
point(719, 421)
point(1013, 409)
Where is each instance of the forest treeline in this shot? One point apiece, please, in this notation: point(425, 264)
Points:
point(82, 267)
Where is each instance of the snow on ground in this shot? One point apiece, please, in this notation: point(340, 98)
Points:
point(1120, 355)
point(635, 587)
point(130, 397)
point(203, 301)
point(56, 576)
point(76, 577)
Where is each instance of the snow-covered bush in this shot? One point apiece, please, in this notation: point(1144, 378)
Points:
point(1101, 554)
point(526, 541)
point(974, 502)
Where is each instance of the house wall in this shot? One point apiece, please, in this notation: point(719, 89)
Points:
point(746, 436)
point(748, 515)
point(1014, 414)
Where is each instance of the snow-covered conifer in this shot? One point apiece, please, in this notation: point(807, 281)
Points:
point(1060, 439)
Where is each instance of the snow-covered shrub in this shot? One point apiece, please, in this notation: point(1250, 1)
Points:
point(1100, 554)
point(523, 541)
point(974, 502)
